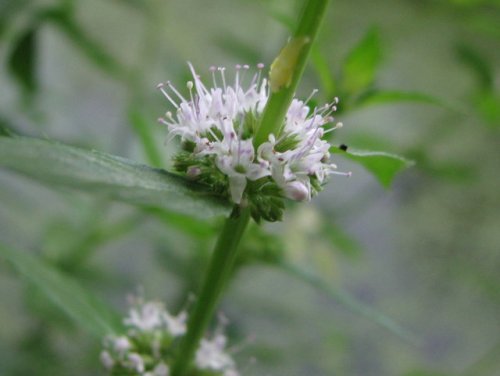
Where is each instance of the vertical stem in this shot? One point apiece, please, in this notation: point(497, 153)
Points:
point(288, 69)
point(285, 74)
point(215, 279)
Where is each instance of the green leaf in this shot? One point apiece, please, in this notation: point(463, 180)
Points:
point(144, 130)
point(96, 53)
point(348, 300)
point(488, 106)
point(323, 71)
point(234, 46)
point(104, 174)
point(375, 97)
point(361, 63)
point(383, 165)
point(81, 306)
point(477, 64)
point(22, 61)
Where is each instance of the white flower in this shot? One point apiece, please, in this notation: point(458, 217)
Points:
point(176, 325)
point(220, 122)
point(107, 359)
point(146, 317)
point(136, 362)
point(211, 355)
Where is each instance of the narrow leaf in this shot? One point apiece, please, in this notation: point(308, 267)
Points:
point(349, 301)
point(22, 61)
point(361, 63)
point(477, 64)
point(81, 306)
point(384, 166)
point(144, 130)
point(323, 71)
point(104, 174)
point(395, 96)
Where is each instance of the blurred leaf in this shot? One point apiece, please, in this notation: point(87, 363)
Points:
point(374, 97)
point(348, 300)
point(323, 71)
point(84, 308)
point(424, 373)
point(341, 240)
point(477, 64)
point(22, 61)
point(361, 63)
point(488, 105)
point(192, 226)
point(383, 165)
point(144, 129)
point(233, 46)
point(88, 46)
point(104, 174)
point(9, 9)
point(5, 128)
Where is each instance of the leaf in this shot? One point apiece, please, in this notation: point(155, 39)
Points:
point(144, 130)
point(383, 165)
point(22, 61)
point(5, 128)
point(234, 46)
point(488, 106)
point(477, 64)
point(96, 53)
point(322, 69)
point(375, 97)
point(84, 308)
point(349, 301)
point(361, 63)
point(104, 174)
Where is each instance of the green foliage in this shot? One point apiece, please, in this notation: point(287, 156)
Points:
point(22, 61)
point(107, 175)
point(384, 166)
point(88, 311)
point(143, 127)
point(379, 97)
point(360, 66)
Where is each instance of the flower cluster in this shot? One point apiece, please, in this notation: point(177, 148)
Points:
point(149, 345)
point(216, 127)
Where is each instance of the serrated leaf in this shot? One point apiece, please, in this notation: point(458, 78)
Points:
point(79, 304)
point(103, 174)
point(360, 65)
point(22, 61)
point(384, 166)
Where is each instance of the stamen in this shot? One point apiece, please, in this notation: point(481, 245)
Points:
point(260, 66)
point(313, 93)
point(221, 70)
point(162, 89)
point(172, 87)
point(212, 70)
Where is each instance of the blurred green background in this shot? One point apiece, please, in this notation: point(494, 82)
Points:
point(416, 78)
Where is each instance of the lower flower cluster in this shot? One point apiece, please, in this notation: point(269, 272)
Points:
point(149, 346)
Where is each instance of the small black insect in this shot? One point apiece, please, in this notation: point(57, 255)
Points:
point(343, 147)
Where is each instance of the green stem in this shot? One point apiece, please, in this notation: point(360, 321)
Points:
point(285, 74)
point(217, 275)
point(288, 68)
